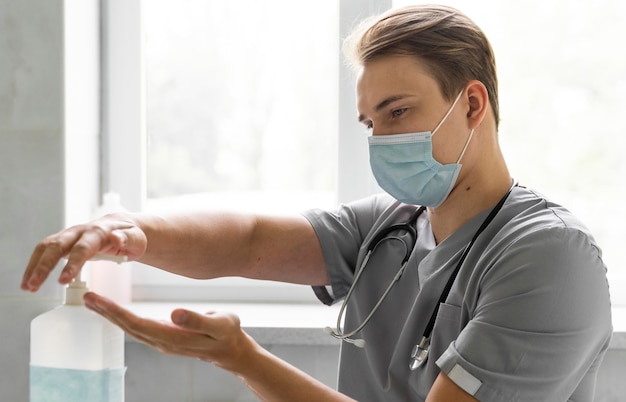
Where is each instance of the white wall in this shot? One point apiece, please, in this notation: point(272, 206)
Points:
point(47, 105)
point(31, 169)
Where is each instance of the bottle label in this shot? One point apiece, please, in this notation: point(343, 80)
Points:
point(66, 385)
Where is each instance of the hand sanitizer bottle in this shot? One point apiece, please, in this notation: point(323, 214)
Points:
point(106, 277)
point(75, 354)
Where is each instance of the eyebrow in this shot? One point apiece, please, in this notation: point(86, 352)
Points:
point(384, 104)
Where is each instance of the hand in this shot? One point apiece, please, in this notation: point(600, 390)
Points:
point(213, 337)
point(110, 235)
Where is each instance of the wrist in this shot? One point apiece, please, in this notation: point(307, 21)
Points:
point(241, 359)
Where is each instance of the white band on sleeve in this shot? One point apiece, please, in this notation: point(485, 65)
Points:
point(464, 379)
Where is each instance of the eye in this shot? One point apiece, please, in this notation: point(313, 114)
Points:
point(398, 112)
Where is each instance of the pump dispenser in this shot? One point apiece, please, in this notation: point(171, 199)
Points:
point(75, 354)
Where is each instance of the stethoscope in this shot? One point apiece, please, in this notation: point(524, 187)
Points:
point(420, 350)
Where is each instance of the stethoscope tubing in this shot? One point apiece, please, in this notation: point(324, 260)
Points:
point(378, 239)
point(373, 244)
point(446, 290)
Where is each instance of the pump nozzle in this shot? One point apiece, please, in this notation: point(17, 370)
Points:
point(75, 291)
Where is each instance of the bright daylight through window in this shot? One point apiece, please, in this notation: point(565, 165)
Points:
point(242, 104)
point(241, 100)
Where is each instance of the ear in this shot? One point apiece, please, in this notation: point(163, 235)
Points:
point(478, 103)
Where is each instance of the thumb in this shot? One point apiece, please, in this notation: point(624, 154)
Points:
point(131, 242)
point(215, 324)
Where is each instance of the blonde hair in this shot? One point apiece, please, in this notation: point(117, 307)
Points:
point(454, 49)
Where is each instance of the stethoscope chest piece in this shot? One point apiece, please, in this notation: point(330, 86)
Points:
point(419, 354)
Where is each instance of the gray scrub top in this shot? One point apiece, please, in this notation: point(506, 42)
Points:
point(527, 319)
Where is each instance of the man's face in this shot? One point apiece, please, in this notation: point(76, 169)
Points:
point(396, 95)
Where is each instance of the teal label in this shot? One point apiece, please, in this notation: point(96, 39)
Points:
point(65, 385)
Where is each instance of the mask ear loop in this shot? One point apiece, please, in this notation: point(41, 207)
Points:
point(448, 113)
point(469, 138)
point(466, 145)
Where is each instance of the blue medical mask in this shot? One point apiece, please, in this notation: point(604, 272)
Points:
point(403, 166)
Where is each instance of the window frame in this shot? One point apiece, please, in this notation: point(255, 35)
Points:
point(124, 112)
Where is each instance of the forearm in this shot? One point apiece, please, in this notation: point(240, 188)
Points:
point(217, 337)
point(215, 244)
point(274, 380)
point(200, 245)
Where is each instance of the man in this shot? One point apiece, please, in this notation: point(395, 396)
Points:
point(489, 291)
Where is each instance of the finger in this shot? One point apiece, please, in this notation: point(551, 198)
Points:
point(113, 312)
point(162, 336)
point(218, 338)
point(78, 244)
point(158, 334)
point(44, 259)
point(129, 241)
point(213, 324)
point(30, 279)
point(99, 242)
point(119, 244)
point(167, 337)
point(125, 320)
point(86, 246)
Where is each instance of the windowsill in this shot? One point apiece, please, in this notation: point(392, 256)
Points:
point(301, 324)
point(267, 323)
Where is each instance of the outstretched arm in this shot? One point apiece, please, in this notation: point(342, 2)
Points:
point(218, 338)
point(200, 245)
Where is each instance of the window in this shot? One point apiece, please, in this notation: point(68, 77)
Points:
point(241, 105)
point(562, 85)
point(241, 100)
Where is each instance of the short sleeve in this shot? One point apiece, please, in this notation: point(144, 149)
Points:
point(341, 234)
point(540, 322)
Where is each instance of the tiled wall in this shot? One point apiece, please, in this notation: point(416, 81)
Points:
point(33, 185)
